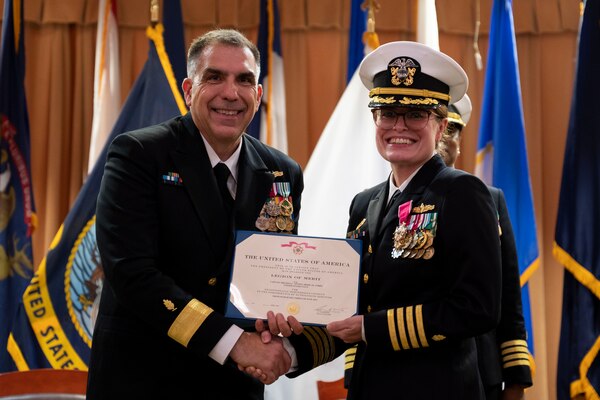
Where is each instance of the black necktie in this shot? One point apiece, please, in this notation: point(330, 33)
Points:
point(222, 174)
point(393, 200)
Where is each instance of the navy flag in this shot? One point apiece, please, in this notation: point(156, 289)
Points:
point(17, 218)
point(54, 327)
point(578, 225)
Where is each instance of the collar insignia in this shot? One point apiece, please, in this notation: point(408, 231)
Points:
point(169, 305)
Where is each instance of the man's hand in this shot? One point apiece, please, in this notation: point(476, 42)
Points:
point(268, 360)
point(349, 329)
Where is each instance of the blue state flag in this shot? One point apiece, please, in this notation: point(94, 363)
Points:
point(17, 218)
point(55, 324)
point(502, 154)
point(356, 47)
point(269, 125)
point(578, 225)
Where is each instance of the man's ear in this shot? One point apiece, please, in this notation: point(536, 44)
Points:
point(186, 85)
point(259, 94)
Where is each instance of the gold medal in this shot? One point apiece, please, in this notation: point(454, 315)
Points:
point(420, 253)
point(272, 224)
point(429, 239)
point(280, 223)
point(421, 240)
point(286, 207)
point(428, 253)
point(289, 224)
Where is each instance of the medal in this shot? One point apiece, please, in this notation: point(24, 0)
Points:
point(272, 224)
point(277, 212)
point(289, 224)
point(286, 207)
point(262, 223)
point(280, 222)
point(272, 207)
point(401, 233)
point(428, 253)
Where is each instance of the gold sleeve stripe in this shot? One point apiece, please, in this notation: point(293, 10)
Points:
point(188, 321)
point(410, 323)
point(349, 365)
point(421, 327)
point(515, 349)
point(328, 345)
point(349, 358)
point(319, 341)
point(313, 344)
point(323, 345)
point(351, 350)
point(517, 363)
point(402, 329)
point(332, 350)
point(392, 329)
point(517, 342)
point(516, 357)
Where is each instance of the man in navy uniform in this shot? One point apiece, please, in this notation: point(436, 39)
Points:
point(171, 196)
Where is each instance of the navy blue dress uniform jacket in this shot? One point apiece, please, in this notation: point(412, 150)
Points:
point(166, 247)
point(503, 354)
point(421, 316)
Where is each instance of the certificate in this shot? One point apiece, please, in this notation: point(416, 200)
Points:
point(313, 279)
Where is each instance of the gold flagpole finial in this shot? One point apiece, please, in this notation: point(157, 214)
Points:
point(372, 6)
point(476, 52)
point(154, 12)
point(370, 37)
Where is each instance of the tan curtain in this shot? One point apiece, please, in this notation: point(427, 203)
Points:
point(60, 40)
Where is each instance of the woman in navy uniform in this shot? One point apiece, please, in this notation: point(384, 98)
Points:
point(430, 280)
point(503, 354)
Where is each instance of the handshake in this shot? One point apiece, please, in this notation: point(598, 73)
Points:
point(262, 354)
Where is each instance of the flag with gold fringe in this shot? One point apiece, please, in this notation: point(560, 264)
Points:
point(17, 210)
point(578, 225)
point(55, 324)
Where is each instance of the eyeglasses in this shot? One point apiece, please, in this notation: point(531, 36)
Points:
point(413, 119)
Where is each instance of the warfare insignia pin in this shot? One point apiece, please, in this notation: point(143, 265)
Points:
point(423, 208)
point(277, 174)
point(438, 338)
point(169, 305)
